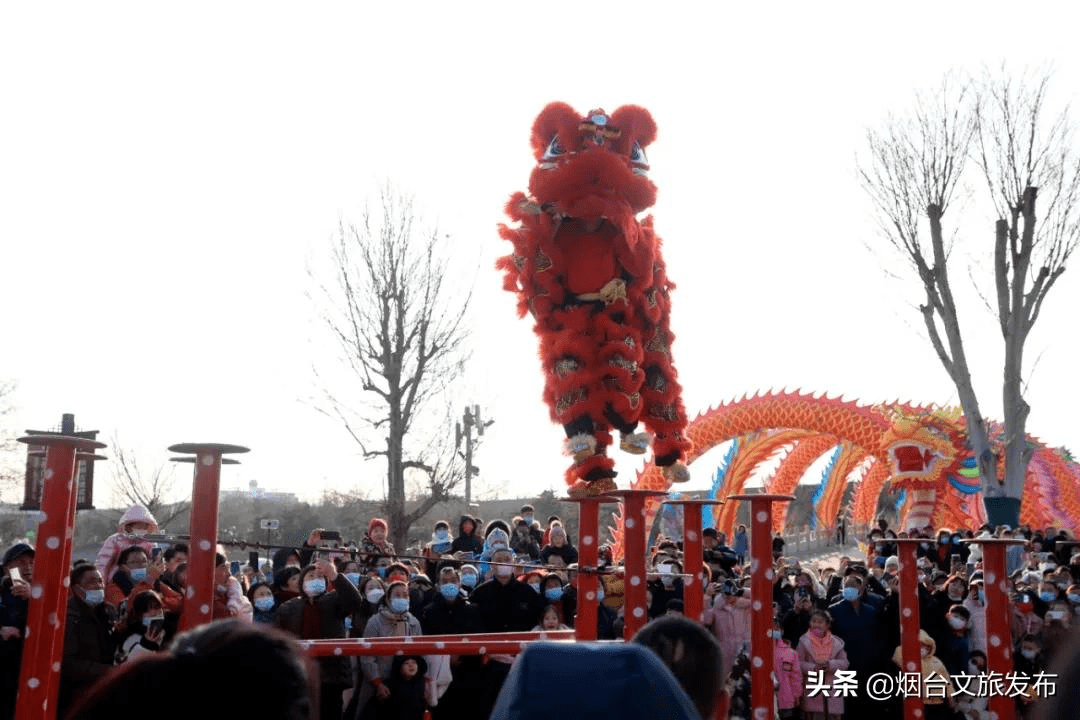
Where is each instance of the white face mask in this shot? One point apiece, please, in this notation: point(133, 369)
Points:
point(504, 570)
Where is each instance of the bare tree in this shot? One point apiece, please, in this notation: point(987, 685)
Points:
point(914, 171)
point(10, 471)
point(402, 333)
point(153, 489)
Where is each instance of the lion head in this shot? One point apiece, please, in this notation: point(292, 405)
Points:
point(592, 166)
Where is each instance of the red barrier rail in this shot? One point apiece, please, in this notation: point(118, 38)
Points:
point(502, 643)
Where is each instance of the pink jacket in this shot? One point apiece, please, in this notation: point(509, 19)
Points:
point(788, 676)
point(838, 661)
point(731, 625)
point(116, 543)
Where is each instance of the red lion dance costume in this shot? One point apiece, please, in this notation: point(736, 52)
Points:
point(593, 278)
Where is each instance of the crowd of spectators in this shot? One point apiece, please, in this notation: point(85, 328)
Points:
point(519, 576)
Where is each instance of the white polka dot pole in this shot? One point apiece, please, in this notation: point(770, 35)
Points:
point(635, 614)
point(910, 646)
point(998, 615)
point(588, 557)
point(199, 597)
point(39, 677)
point(693, 557)
point(761, 587)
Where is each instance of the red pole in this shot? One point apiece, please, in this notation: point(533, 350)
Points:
point(910, 647)
point(635, 614)
point(588, 559)
point(39, 677)
point(693, 556)
point(998, 625)
point(762, 577)
point(199, 593)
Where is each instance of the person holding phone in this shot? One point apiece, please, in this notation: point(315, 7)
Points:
point(14, 596)
point(144, 629)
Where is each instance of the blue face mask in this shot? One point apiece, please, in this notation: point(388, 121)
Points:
point(315, 586)
point(944, 541)
point(1047, 596)
point(348, 622)
point(441, 535)
point(449, 591)
point(399, 605)
point(599, 596)
point(94, 597)
point(1074, 598)
point(354, 578)
point(851, 593)
point(553, 594)
point(137, 574)
point(528, 519)
point(264, 603)
point(468, 580)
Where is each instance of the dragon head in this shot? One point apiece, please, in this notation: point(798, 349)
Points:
point(592, 166)
point(922, 451)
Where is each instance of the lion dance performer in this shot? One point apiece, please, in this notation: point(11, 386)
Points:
point(593, 279)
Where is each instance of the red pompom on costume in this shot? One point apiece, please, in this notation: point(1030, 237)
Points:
point(593, 278)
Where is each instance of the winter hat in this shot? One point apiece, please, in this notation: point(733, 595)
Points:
point(16, 551)
point(137, 513)
point(377, 522)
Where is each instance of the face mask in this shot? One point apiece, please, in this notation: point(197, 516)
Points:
point(553, 594)
point(818, 632)
point(354, 578)
point(315, 586)
point(955, 596)
point(442, 535)
point(980, 596)
point(222, 589)
point(449, 591)
point(599, 596)
point(957, 623)
point(943, 541)
point(975, 669)
point(1047, 596)
point(1029, 654)
point(94, 597)
point(148, 619)
point(925, 651)
point(535, 587)
point(1061, 585)
point(924, 546)
point(137, 574)
point(1055, 614)
point(468, 580)
point(1074, 598)
point(528, 519)
point(504, 571)
point(264, 603)
point(399, 605)
point(138, 533)
point(375, 595)
point(851, 593)
point(347, 622)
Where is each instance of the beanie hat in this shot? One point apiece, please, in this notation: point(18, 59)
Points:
point(377, 522)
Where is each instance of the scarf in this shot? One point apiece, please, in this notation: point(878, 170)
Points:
point(820, 647)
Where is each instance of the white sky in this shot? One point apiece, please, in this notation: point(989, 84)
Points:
point(166, 175)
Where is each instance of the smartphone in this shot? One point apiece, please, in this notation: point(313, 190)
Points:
point(155, 553)
point(253, 559)
point(155, 627)
point(234, 567)
point(16, 576)
point(330, 537)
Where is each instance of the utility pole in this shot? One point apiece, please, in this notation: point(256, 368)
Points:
point(469, 420)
